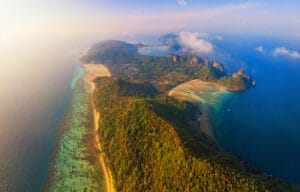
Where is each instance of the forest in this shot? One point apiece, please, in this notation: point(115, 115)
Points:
point(164, 72)
point(153, 142)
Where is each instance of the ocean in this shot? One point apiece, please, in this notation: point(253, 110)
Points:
point(262, 125)
point(34, 97)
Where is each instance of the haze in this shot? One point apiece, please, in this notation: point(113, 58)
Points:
point(40, 42)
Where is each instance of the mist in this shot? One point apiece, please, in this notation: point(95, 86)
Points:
point(35, 74)
point(41, 41)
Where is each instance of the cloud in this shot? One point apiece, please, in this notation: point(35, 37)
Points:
point(195, 43)
point(260, 49)
point(287, 52)
point(182, 2)
point(219, 37)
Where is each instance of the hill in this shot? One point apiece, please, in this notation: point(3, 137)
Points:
point(124, 61)
point(154, 143)
point(112, 52)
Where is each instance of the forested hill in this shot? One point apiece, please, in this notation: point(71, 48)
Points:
point(124, 61)
point(154, 143)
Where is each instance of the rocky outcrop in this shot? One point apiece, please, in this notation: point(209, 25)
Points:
point(218, 66)
point(241, 73)
point(193, 61)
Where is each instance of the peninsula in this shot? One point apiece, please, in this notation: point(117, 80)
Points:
point(154, 142)
point(166, 72)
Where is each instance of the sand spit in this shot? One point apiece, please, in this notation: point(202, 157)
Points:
point(204, 95)
point(187, 91)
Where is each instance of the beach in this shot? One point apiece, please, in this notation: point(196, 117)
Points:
point(203, 94)
point(77, 163)
point(92, 71)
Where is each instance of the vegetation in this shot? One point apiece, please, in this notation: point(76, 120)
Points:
point(235, 83)
point(153, 143)
point(166, 72)
point(111, 53)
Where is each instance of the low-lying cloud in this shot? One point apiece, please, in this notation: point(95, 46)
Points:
point(195, 43)
point(286, 52)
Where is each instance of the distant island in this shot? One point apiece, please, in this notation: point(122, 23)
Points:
point(166, 72)
point(154, 142)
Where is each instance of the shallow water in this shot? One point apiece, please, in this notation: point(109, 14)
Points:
point(261, 124)
point(75, 163)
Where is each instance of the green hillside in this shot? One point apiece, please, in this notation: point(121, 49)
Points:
point(165, 72)
point(153, 143)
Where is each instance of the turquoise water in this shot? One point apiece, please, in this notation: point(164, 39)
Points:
point(75, 164)
point(261, 125)
point(76, 76)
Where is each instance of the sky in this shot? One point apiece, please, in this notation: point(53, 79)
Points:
point(56, 19)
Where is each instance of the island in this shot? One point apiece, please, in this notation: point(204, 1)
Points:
point(154, 142)
point(166, 72)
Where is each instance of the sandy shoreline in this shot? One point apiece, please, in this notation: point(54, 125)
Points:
point(92, 71)
point(188, 92)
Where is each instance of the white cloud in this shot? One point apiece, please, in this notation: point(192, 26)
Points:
point(260, 49)
point(287, 52)
point(182, 2)
point(219, 37)
point(195, 43)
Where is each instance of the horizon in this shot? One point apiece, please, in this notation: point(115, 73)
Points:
point(76, 19)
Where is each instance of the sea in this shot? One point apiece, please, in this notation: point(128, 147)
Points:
point(35, 91)
point(261, 125)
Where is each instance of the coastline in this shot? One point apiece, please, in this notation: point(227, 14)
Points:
point(204, 95)
point(74, 164)
point(92, 71)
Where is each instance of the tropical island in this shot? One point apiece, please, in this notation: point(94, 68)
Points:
point(165, 72)
point(154, 142)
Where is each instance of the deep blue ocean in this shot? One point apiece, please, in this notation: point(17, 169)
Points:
point(262, 124)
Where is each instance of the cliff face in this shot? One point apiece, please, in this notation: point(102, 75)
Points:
point(241, 73)
point(218, 66)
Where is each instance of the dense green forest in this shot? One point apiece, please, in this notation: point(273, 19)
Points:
point(154, 143)
point(124, 61)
